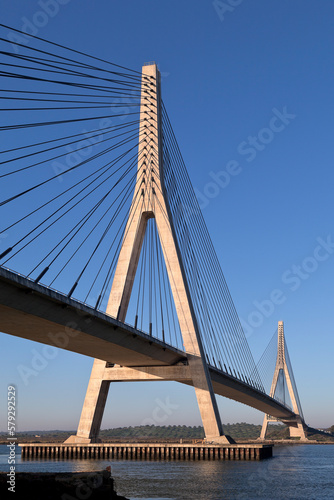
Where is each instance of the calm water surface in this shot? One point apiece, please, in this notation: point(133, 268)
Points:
point(296, 472)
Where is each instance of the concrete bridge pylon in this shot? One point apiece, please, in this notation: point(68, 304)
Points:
point(149, 202)
point(296, 425)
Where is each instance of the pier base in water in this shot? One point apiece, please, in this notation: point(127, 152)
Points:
point(146, 451)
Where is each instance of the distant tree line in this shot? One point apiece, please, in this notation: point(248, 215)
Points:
point(237, 431)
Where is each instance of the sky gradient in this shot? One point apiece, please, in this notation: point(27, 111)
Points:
point(249, 91)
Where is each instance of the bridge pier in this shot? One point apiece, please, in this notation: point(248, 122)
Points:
point(298, 430)
point(92, 412)
point(151, 451)
point(93, 408)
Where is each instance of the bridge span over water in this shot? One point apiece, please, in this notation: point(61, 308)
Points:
point(34, 312)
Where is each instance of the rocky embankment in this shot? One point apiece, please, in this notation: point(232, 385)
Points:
point(58, 486)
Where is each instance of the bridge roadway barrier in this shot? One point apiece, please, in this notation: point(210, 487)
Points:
point(145, 451)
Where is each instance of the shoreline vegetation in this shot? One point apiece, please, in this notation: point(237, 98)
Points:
point(241, 432)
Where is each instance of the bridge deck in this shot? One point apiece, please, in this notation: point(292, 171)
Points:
point(34, 312)
point(37, 313)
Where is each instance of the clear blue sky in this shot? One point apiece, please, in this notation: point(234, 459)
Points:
point(253, 85)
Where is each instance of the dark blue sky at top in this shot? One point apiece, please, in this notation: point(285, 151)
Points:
point(223, 82)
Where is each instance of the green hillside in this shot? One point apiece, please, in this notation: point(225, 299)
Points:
point(240, 431)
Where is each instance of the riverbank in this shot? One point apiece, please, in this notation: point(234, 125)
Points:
point(52, 486)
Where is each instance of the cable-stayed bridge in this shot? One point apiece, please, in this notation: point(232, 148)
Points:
point(111, 253)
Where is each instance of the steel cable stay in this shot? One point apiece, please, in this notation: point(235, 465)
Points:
point(292, 378)
point(90, 86)
point(198, 302)
point(56, 66)
point(200, 299)
point(150, 279)
point(213, 318)
point(194, 278)
point(193, 281)
point(71, 169)
point(67, 71)
point(119, 235)
point(168, 265)
point(141, 277)
point(281, 393)
point(126, 196)
point(126, 224)
point(144, 258)
point(267, 361)
point(72, 64)
point(109, 139)
point(122, 86)
point(61, 122)
point(173, 325)
point(107, 106)
point(171, 300)
point(66, 48)
point(127, 189)
point(101, 171)
point(132, 95)
point(134, 81)
point(30, 76)
point(232, 320)
point(180, 204)
point(158, 303)
point(203, 320)
point(69, 101)
point(160, 270)
point(121, 143)
point(128, 217)
point(77, 202)
point(128, 133)
point(98, 173)
point(220, 349)
point(157, 312)
point(149, 242)
point(79, 135)
point(140, 302)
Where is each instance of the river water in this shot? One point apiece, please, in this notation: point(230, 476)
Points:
point(296, 472)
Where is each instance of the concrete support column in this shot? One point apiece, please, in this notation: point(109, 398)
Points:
point(92, 411)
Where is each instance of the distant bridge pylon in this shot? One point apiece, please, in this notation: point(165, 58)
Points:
point(283, 376)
